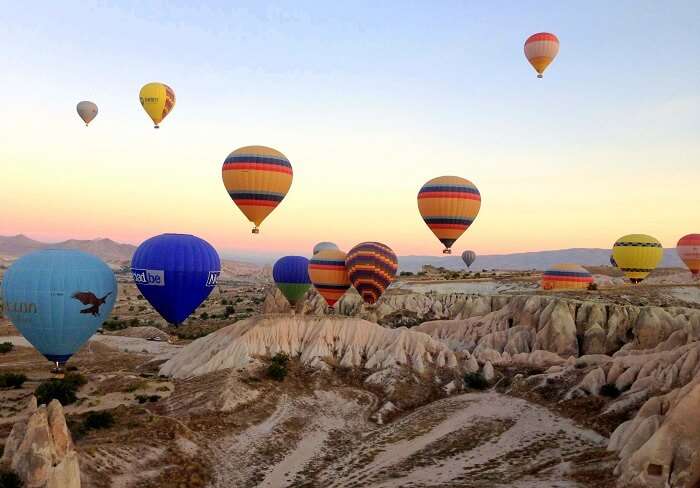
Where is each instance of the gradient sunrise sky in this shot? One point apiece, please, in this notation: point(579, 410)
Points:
point(368, 102)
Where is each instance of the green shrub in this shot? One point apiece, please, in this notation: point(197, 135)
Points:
point(10, 479)
point(475, 381)
point(276, 371)
point(142, 398)
point(6, 347)
point(134, 322)
point(204, 316)
point(98, 420)
point(610, 390)
point(12, 380)
point(62, 390)
point(592, 286)
point(405, 273)
point(230, 310)
point(280, 358)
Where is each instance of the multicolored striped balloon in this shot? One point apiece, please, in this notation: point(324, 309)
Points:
point(371, 268)
point(328, 274)
point(540, 50)
point(688, 249)
point(257, 179)
point(291, 276)
point(449, 205)
point(566, 276)
point(637, 255)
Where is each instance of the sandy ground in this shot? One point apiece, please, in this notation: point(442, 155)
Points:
point(471, 440)
point(159, 350)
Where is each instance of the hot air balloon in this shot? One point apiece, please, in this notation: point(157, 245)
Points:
point(257, 179)
point(87, 111)
point(540, 50)
point(566, 276)
point(468, 257)
point(449, 205)
point(371, 268)
point(688, 249)
point(157, 99)
point(175, 273)
point(637, 255)
point(291, 275)
point(612, 261)
point(57, 299)
point(321, 246)
point(328, 274)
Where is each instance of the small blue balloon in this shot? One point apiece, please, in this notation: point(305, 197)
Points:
point(58, 298)
point(175, 273)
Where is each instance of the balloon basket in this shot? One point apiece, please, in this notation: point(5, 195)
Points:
point(539, 76)
point(255, 231)
point(447, 251)
point(58, 370)
point(156, 126)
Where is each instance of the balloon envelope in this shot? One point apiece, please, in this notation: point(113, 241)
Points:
point(566, 276)
point(87, 111)
point(257, 178)
point(291, 275)
point(328, 274)
point(321, 246)
point(688, 249)
point(58, 298)
point(175, 273)
point(637, 255)
point(449, 205)
point(540, 50)
point(371, 268)
point(468, 257)
point(157, 99)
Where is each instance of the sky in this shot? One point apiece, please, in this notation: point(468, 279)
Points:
point(368, 102)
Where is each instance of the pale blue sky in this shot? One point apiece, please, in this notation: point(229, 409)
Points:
point(374, 98)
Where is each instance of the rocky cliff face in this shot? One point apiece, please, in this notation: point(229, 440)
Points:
point(348, 342)
point(40, 449)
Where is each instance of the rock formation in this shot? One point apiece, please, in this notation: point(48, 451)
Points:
point(340, 340)
point(40, 449)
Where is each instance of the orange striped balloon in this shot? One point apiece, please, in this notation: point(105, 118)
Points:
point(688, 249)
point(540, 50)
point(449, 205)
point(372, 268)
point(566, 277)
point(257, 179)
point(328, 274)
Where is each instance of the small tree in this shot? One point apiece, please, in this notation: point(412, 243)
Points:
point(98, 420)
point(6, 347)
point(10, 479)
point(12, 380)
point(475, 381)
point(277, 370)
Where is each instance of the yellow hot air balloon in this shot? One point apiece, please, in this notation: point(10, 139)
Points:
point(540, 50)
point(157, 99)
point(637, 255)
point(257, 179)
point(449, 205)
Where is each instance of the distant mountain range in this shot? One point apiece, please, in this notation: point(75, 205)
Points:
point(107, 249)
point(111, 251)
point(527, 260)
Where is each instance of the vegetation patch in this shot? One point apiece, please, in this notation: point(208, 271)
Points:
point(12, 380)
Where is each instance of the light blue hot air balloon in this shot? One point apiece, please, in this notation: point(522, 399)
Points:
point(321, 246)
point(58, 298)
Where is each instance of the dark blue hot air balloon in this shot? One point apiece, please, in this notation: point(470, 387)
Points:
point(175, 273)
point(58, 298)
point(291, 275)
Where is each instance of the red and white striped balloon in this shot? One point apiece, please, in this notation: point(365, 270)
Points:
point(688, 250)
point(540, 50)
